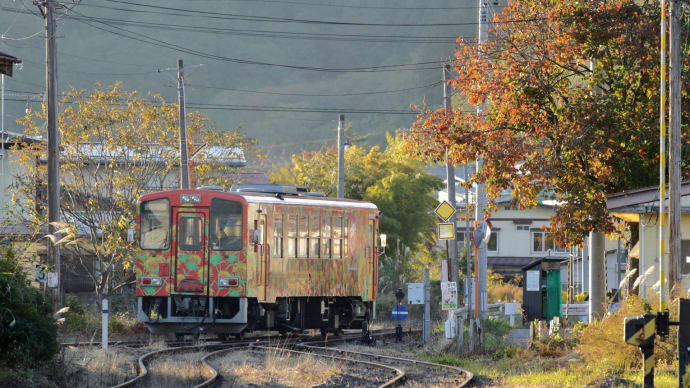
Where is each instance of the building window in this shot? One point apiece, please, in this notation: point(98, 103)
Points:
point(314, 236)
point(189, 235)
point(337, 237)
point(292, 236)
point(492, 245)
point(685, 257)
point(226, 225)
point(278, 235)
point(460, 237)
point(523, 227)
point(303, 228)
point(155, 224)
point(346, 225)
point(326, 237)
point(542, 242)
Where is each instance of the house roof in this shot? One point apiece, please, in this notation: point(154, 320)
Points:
point(541, 260)
point(628, 205)
point(7, 62)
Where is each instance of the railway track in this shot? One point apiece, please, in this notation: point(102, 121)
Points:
point(359, 368)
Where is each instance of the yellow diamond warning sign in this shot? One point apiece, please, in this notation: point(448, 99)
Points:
point(445, 210)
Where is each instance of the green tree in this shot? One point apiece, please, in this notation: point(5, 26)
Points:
point(396, 183)
point(115, 146)
point(28, 331)
point(571, 97)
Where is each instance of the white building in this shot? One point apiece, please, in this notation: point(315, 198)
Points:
point(518, 238)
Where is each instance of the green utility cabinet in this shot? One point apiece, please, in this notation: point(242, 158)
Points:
point(541, 293)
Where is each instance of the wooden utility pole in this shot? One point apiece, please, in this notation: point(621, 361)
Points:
point(53, 147)
point(341, 156)
point(184, 160)
point(676, 66)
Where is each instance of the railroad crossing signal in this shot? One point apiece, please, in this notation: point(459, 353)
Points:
point(445, 210)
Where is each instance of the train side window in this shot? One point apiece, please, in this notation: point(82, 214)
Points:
point(326, 237)
point(292, 236)
point(277, 234)
point(337, 237)
point(154, 227)
point(303, 228)
point(226, 225)
point(190, 233)
point(314, 236)
point(346, 230)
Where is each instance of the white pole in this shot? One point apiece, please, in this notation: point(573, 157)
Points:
point(2, 124)
point(104, 325)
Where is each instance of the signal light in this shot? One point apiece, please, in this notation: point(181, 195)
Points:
point(151, 281)
point(229, 282)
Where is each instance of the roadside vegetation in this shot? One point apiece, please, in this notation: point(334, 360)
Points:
point(580, 355)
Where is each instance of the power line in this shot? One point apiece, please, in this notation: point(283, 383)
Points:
point(271, 19)
point(353, 6)
point(281, 34)
point(315, 94)
point(157, 42)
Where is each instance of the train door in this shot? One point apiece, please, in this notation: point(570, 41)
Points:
point(262, 261)
point(190, 254)
point(373, 254)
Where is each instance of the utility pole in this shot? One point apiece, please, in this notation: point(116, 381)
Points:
point(450, 189)
point(184, 160)
point(480, 199)
point(53, 148)
point(662, 164)
point(341, 156)
point(468, 258)
point(674, 146)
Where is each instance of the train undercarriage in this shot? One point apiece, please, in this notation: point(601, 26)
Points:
point(197, 315)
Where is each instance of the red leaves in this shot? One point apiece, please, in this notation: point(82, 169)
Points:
point(568, 128)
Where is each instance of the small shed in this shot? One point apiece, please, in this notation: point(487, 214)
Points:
point(541, 292)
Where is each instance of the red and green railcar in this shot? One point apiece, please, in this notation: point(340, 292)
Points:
point(274, 258)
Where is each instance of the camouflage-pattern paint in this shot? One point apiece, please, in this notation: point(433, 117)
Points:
point(353, 275)
point(260, 275)
point(190, 266)
point(173, 265)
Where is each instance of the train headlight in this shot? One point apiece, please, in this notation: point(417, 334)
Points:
point(228, 282)
point(151, 281)
point(190, 198)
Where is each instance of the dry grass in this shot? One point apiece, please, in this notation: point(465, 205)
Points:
point(179, 370)
point(94, 368)
point(275, 368)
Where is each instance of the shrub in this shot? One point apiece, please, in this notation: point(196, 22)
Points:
point(601, 342)
point(495, 343)
point(28, 331)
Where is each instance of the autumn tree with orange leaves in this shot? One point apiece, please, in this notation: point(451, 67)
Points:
point(570, 92)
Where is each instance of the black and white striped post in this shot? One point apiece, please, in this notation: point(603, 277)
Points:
point(641, 331)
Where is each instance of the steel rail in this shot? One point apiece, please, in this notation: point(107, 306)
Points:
point(399, 374)
point(461, 371)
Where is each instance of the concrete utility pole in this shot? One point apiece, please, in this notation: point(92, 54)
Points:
point(53, 147)
point(674, 147)
point(450, 188)
point(597, 273)
point(480, 200)
point(426, 325)
point(662, 165)
point(184, 160)
point(341, 156)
